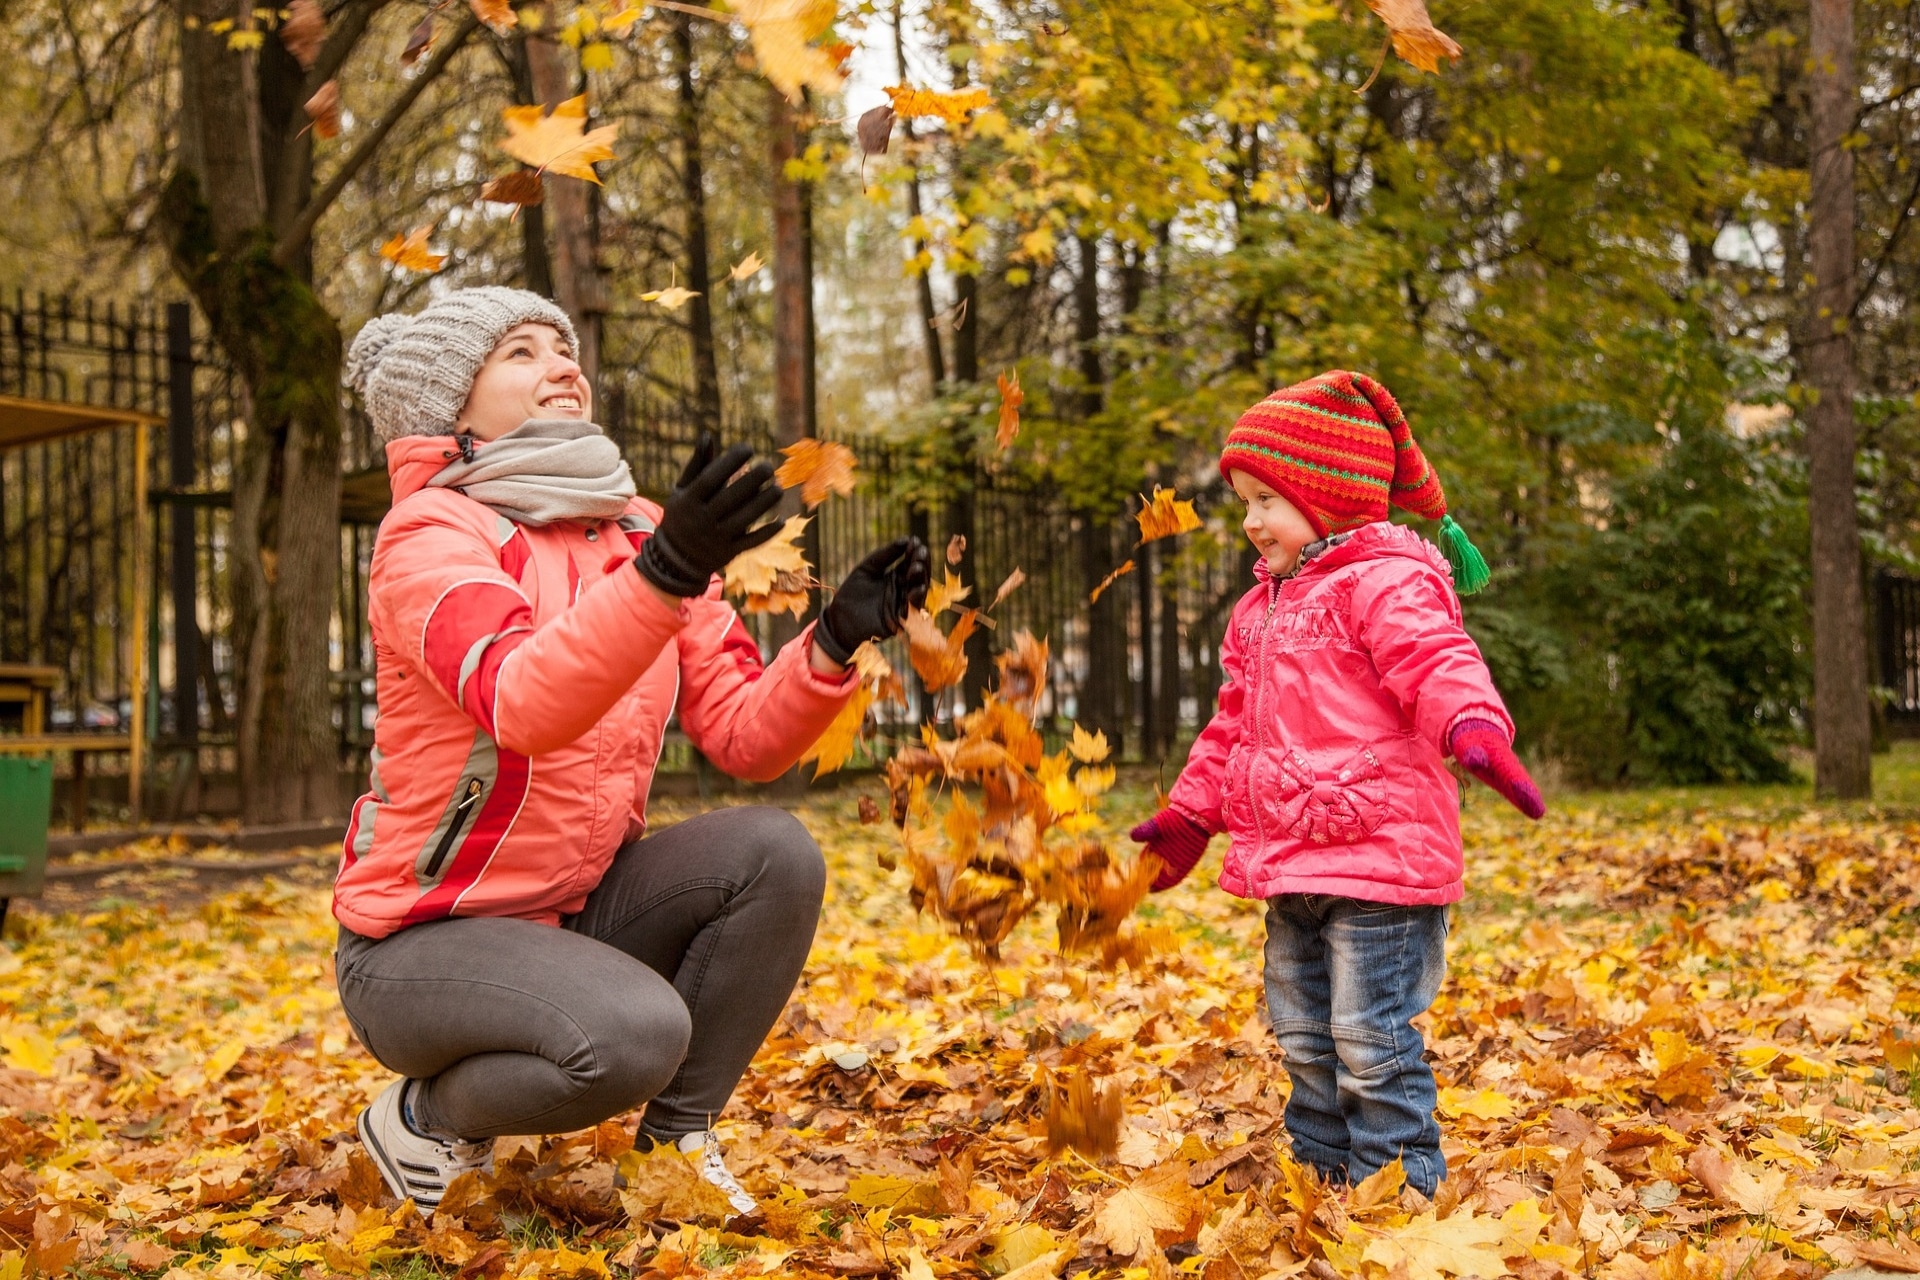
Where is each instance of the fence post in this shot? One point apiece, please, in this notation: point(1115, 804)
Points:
point(182, 563)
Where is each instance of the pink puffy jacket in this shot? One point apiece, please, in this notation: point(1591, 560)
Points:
point(526, 675)
point(1326, 762)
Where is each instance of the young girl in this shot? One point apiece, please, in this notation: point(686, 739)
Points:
point(514, 943)
point(1349, 682)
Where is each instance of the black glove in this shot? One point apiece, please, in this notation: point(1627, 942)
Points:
point(872, 603)
point(707, 521)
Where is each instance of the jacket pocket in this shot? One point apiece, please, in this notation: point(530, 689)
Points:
point(1336, 806)
point(434, 856)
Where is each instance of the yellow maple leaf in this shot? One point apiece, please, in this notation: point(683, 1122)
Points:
point(1130, 1220)
point(663, 1183)
point(775, 568)
point(1461, 1245)
point(673, 297)
point(1164, 515)
point(410, 253)
point(745, 268)
point(1487, 1104)
point(28, 1050)
point(943, 595)
point(559, 142)
point(783, 32)
point(1089, 748)
point(834, 747)
point(951, 105)
point(817, 468)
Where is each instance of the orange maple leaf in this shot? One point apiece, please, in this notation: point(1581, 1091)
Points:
point(951, 105)
point(1011, 398)
point(558, 142)
point(1164, 515)
point(1415, 38)
point(817, 468)
point(409, 252)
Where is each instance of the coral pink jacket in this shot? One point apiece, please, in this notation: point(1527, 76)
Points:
point(1326, 763)
point(526, 675)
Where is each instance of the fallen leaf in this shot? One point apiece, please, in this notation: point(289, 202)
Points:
point(1011, 398)
point(1461, 1245)
point(663, 1183)
point(558, 142)
point(1164, 515)
point(303, 31)
point(1159, 1203)
point(1415, 38)
point(409, 252)
point(818, 468)
point(746, 268)
point(522, 187)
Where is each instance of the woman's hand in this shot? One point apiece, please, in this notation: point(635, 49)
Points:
point(1482, 749)
point(1177, 840)
point(872, 603)
point(708, 520)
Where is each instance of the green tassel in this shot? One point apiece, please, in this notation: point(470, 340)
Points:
point(1470, 572)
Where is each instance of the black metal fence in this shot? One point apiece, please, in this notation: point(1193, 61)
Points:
point(1896, 610)
point(1141, 665)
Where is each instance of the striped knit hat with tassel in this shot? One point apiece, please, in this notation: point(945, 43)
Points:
point(1338, 447)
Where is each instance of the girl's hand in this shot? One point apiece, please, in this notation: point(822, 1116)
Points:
point(708, 519)
point(872, 603)
point(1482, 749)
point(1177, 840)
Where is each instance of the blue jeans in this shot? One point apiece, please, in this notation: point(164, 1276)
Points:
point(1345, 979)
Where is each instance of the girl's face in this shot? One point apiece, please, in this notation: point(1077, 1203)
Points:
point(1277, 527)
point(530, 373)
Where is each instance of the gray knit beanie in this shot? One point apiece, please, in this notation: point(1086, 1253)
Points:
point(414, 373)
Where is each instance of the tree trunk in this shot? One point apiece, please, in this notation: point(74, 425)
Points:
point(536, 262)
point(793, 401)
point(693, 200)
point(936, 355)
point(1843, 762)
point(579, 283)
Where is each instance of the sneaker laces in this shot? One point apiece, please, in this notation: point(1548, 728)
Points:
point(713, 1169)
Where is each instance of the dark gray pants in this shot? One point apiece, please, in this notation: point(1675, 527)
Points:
point(662, 988)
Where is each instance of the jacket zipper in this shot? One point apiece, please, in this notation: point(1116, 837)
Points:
point(1259, 720)
point(453, 832)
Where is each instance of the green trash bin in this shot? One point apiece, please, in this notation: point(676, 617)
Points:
point(26, 805)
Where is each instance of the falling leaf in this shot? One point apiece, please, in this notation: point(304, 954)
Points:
point(1011, 398)
point(1125, 568)
point(875, 130)
point(1415, 38)
point(869, 811)
point(1164, 515)
point(522, 187)
point(1008, 587)
point(834, 747)
point(303, 31)
point(672, 298)
point(947, 592)
point(1159, 1203)
point(951, 105)
point(497, 14)
point(818, 468)
point(1023, 673)
point(1089, 748)
point(782, 32)
point(410, 252)
point(773, 577)
point(418, 42)
point(323, 108)
point(746, 268)
point(940, 659)
point(1082, 1116)
point(1462, 1245)
point(246, 41)
point(956, 548)
point(558, 142)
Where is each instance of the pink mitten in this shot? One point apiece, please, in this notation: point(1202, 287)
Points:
point(1177, 840)
point(1482, 749)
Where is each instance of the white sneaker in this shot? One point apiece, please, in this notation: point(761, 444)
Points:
point(714, 1169)
point(414, 1166)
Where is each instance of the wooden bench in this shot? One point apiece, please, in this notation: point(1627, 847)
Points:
point(80, 745)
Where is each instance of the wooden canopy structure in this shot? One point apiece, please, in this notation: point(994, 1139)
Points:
point(28, 421)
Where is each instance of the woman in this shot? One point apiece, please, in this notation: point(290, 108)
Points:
point(510, 942)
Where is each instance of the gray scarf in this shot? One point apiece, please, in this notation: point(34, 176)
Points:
point(543, 471)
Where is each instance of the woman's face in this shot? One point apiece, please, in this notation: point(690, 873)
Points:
point(1276, 527)
point(530, 373)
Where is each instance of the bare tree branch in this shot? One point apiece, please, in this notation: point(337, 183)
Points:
point(287, 246)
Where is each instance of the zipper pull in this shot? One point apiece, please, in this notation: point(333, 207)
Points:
point(473, 793)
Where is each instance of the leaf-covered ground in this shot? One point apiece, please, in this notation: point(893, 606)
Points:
point(1677, 1041)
